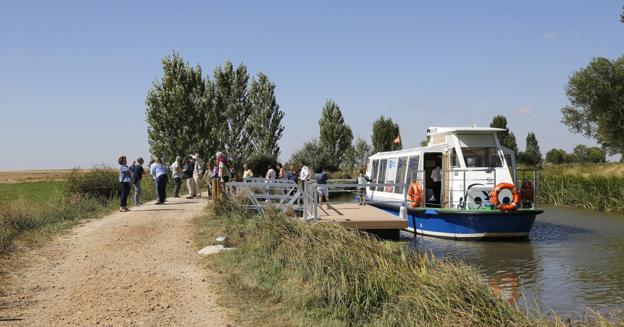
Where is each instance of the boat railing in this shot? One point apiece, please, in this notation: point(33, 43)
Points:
point(527, 183)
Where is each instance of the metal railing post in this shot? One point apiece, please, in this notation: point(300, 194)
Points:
point(464, 195)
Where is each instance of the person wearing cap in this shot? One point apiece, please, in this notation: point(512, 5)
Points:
point(198, 172)
point(176, 170)
point(138, 172)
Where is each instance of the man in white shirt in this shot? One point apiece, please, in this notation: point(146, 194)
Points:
point(304, 175)
point(159, 172)
point(176, 169)
point(271, 174)
point(436, 176)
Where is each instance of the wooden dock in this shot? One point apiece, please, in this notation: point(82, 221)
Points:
point(368, 218)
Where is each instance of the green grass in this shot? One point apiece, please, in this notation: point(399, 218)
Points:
point(35, 191)
point(595, 191)
point(286, 273)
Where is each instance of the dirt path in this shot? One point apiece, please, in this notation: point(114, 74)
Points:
point(127, 269)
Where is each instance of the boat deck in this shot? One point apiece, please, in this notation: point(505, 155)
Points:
point(369, 218)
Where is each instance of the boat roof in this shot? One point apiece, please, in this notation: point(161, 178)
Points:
point(463, 130)
point(399, 153)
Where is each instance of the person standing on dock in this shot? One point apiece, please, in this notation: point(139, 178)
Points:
point(321, 181)
point(362, 180)
point(176, 170)
point(137, 172)
point(159, 172)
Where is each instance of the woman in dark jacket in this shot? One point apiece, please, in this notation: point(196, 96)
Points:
point(125, 180)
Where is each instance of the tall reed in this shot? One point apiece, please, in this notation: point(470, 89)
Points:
point(605, 193)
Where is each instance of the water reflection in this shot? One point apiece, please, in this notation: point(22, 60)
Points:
point(570, 261)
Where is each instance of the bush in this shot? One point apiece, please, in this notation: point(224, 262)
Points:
point(259, 163)
point(99, 183)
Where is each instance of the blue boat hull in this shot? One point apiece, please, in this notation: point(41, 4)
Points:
point(460, 224)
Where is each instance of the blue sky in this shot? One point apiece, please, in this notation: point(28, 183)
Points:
point(74, 74)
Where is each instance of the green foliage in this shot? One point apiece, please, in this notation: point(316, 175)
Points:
point(385, 131)
point(310, 154)
point(187, 113)
point(507, 138)
point(596, 95)
point(98, 183)
point(178, 110)
point(324, 274)
point(233, 102)
point(531, 155)
point(361, 151)
point(585, 154)
point(583, 191)
point(558, 156)
point(259, 162)
point(265, 123)
point(335, 135)
point(32, 191)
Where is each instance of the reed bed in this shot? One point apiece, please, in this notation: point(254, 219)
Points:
point(598, 192)
point(334, 276)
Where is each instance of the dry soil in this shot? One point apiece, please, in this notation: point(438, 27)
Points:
point(127, 269)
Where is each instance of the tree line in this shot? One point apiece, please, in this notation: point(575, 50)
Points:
point(189, 112)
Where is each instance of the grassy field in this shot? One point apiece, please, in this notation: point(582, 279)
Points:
point(35, 191)
point(586, 170)
point(286, 273)
point(27, 176)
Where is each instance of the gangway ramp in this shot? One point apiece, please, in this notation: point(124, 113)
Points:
point(362, 217)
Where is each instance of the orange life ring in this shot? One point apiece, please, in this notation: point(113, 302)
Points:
point(504, 205)
point(415, 194)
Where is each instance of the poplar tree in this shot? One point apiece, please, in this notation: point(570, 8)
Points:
point(234, 107)
point(506, 138)
point(531, 155)
point(335, 135)
point(173, 114)
point(385, 131)
point(265, 123)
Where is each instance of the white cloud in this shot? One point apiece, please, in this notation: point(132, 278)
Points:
point(524, 110)
point(551, 36)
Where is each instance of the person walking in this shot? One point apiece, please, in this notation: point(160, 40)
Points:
point(176, 170)
point(321, 181)
point(188, 170)
point(125, 179)
point(137, 172)
point(198, 173)
point(159, 172)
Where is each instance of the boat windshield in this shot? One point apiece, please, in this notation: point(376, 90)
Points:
point(481, 157)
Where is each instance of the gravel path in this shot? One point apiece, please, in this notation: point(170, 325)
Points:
point(126, 269)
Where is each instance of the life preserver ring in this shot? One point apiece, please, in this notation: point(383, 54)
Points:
point(415, 194)
point(505, 203)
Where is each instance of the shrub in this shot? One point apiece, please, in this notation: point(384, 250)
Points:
point(99, 183)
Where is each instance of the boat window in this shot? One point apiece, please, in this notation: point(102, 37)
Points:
point(412, 169)
point(382, 174)
point(481, 157)
point(374, 170)
point(391, 170)
point(401, 168)
point(454, 158)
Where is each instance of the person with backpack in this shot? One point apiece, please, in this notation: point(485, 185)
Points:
point(188, 170)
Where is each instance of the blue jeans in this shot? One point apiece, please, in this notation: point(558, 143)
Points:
point(137, 193)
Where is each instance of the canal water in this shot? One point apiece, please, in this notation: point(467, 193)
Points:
point(572, 260)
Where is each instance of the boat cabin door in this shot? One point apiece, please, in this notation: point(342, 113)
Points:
point(433, 189)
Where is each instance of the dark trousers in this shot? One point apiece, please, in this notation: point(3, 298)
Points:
point(161, 187)
point(124, 191)
point(177, 181)
point(437, 188)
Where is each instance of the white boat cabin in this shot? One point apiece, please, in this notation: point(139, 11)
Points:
point(471, 162)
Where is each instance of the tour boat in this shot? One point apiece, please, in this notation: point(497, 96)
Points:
point(462, 185)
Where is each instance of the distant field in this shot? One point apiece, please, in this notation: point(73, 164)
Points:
point(35, 191)
point(26, 176)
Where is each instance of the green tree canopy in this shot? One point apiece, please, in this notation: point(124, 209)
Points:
point(335, 135)
point(362, 150)
point(558, 156)
point(507, 138)
point(385, 131)
point(596, 110)
point(265, 122)
point(176, 111)
point(585, 154)
point(310, 154)
point(531, 155)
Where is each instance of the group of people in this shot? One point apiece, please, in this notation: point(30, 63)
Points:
point(192, 169)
